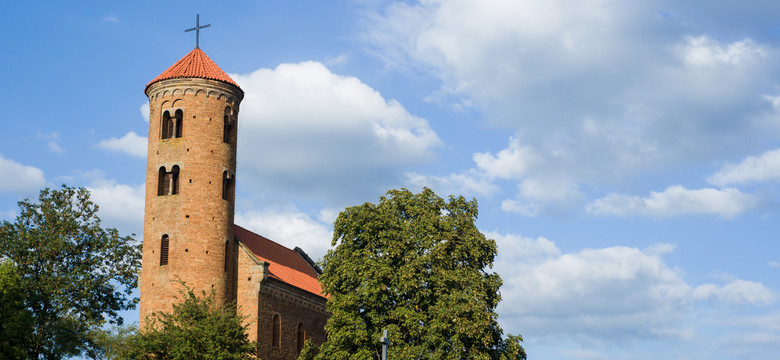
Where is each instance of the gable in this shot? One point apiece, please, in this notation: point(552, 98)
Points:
point(285, 265)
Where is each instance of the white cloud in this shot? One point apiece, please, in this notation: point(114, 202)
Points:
point(52, 142)
point(606, 294)
point(650, 93)
point(145, 111)
point(703, 51)
point(676, 201)
point(510, 163)
point(609, 293)
point(736, 292)
point(121, 205)
point(468, 183)
point(762, 168)
point(130, 144)
point(16, 177)
point(290, 228)
point(315, 132)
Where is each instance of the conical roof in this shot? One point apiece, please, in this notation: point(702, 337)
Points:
point(196, 64)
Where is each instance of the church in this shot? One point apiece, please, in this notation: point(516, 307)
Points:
point(189, 233)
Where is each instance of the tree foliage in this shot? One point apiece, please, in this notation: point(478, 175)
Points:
point(15, 320)
point(197, 329)
point(416, 265)
point(76, 275)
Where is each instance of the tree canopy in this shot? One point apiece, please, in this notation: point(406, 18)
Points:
point(418, 266)
point(75, 274)
point(197, 329)
point(15, 319)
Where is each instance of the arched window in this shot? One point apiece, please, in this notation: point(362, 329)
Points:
point(301, 337)
point(228, 185)
point(276, 341)
point(172, 126)
point(178, 126)
point(168, 181)
point(174, 180)
point(164, 244)
point(167, 125)
point(162, 187)
point(229, 127)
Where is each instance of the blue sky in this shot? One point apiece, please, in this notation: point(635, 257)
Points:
point(625, 155)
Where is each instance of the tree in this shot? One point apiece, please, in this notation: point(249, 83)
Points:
point(15, 320)
point(76, 275)
point(197, 329)
point(416, 265)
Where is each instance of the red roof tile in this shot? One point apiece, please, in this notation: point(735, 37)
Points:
point(284, 264)
point(195, 64)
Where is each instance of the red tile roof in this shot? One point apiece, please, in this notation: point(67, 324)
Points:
point(284, 264)
point(195, 64)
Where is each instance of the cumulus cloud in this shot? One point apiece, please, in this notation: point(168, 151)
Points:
point(762, 168)
point(604, 294)
point(130, 144)
point(121, 205)
point(468, 183)
point(315, 132)
point(290, 228)
point(736, 292)
point(676, 201)
point(17, 177)
point(145, 111)
point(588, 92)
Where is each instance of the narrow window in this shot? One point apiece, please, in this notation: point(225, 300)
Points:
point(228, 132)
point(301, 337)
point(174, 180)
point(162, 188)
point(228, 185)
point(164, 244)
point(167, 126)
point(277, 332)
point(227, 255)
point(178, 125)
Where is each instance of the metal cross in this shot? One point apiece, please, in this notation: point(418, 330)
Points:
point(197, 30)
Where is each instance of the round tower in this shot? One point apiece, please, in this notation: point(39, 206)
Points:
point(190, 182)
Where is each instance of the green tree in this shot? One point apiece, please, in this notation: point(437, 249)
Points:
point(15, 320)
point(197, 329)
point(76, 275)
point(416, 265)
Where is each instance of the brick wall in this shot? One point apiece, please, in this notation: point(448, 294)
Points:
point(197, 220)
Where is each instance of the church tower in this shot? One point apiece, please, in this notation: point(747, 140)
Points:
point(190, 182)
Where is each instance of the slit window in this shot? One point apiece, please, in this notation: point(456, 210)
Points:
point(227, 255)
point(229, 127)
point(164, 245)
point(228, 185)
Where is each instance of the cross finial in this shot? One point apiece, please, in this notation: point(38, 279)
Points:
point(197, 30)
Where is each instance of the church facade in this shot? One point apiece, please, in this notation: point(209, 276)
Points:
point(189, 233)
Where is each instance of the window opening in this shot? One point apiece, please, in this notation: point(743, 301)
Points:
point(164, 245)
point(229, 127)
point(277, 332)
point(172, 126)
point(228, 185)
point(301, 337)
point(168, 181)
point(227, 252)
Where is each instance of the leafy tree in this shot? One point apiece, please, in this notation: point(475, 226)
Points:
point(120, 342)
point(416, 265)
point(15, 320)
point(76, 275)
point(197, 329)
